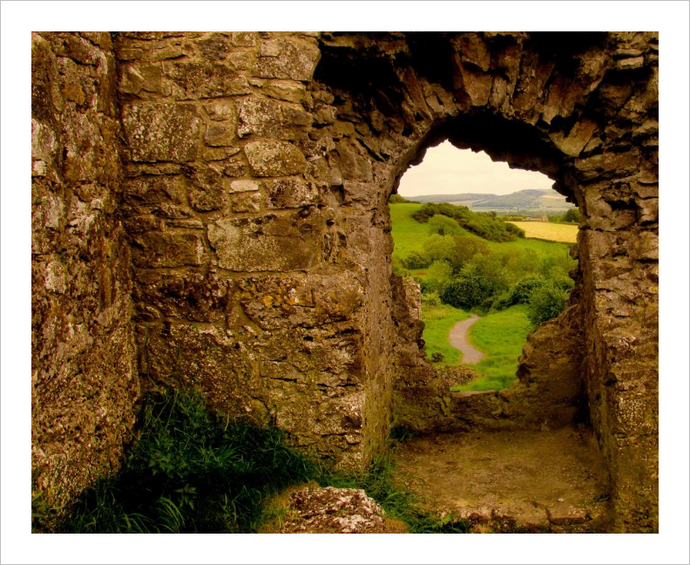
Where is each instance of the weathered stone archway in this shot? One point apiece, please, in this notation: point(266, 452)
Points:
point(252, 187)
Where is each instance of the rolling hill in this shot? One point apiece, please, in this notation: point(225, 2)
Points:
point(524, 200)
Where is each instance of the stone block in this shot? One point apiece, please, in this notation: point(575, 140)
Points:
point(576, 139)
point(244, 186)
point(215, 48)
point(290, 91)
point(161, 131)
point(155, 189)
point(285, 58)
point(362, 194)
point(220, 134)
point(155, 249)
point(138, 77)
point(353, 164)
point(630, 63)
point(244, 38)
point(645, 247)
point(291, 193)
point(265, 117)
point(267, 243)
point(235, 167)
point(193, 80)
point(221, 110)
point(607, 165)
point(246, 202)
point(190, 296)
point(274, 159)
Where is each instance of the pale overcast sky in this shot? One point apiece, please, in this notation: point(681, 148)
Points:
point(447, 170)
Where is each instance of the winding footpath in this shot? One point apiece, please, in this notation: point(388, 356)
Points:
point(458, 339)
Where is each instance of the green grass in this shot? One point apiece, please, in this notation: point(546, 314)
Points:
point(399, 504)
point(190, 471)
point(501, 336)
point(438, 321)
point(409, 235)
point(195, 471)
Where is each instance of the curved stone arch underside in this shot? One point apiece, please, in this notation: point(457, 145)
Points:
point(256, 172)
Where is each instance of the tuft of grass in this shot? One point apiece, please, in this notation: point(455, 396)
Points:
point(190, 471)
point(438, 321)
point(399, 504)
point(501, 336)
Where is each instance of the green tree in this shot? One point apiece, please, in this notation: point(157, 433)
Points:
point(438, 276)
point(443, 225)
point(439, 247)
point(415, 260)
point(572, 216)
point(469, 290)
point(545, 303)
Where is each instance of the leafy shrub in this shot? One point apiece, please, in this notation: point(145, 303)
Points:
point(444, 225)
point(512, 228)
point(397, 199)
point(430, 299)
point(572, 216)
point(484, 224)
point(521, 292)
point(492, 268)
point(438, 276)
point(456, 250)
point(437, 357)
point(469, 290)
point(416, 260)
point(546, 302)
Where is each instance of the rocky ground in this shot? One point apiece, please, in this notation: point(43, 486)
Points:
point(312, 509)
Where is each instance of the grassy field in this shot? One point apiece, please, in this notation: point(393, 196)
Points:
point(500, 336)
point(438, 321)
point(409, 234)
point(551, 232)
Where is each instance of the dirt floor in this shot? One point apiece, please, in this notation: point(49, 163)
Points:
point(508, 481)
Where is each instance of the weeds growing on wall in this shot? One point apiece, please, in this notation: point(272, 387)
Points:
point(194, 471)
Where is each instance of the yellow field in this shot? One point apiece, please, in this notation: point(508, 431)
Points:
point(548, 231)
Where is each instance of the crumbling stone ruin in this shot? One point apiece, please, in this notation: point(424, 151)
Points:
point(210, 211)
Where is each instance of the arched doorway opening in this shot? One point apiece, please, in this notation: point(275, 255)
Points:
point(458, 224)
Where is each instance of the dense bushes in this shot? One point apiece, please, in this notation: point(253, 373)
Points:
point(546, 302)
point(467, 291)
point(415, 260)
point(484, 224)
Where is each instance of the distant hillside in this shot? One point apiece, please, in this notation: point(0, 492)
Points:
point(527, 200)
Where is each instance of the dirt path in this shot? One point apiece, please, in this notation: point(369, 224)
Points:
point(531, 481)
point(458, 339)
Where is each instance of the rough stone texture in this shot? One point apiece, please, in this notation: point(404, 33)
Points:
point(328, 510)
point(262, 162)
point(84, 375)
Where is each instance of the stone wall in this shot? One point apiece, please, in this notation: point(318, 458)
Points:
point(257, 169)
point(84, 374)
